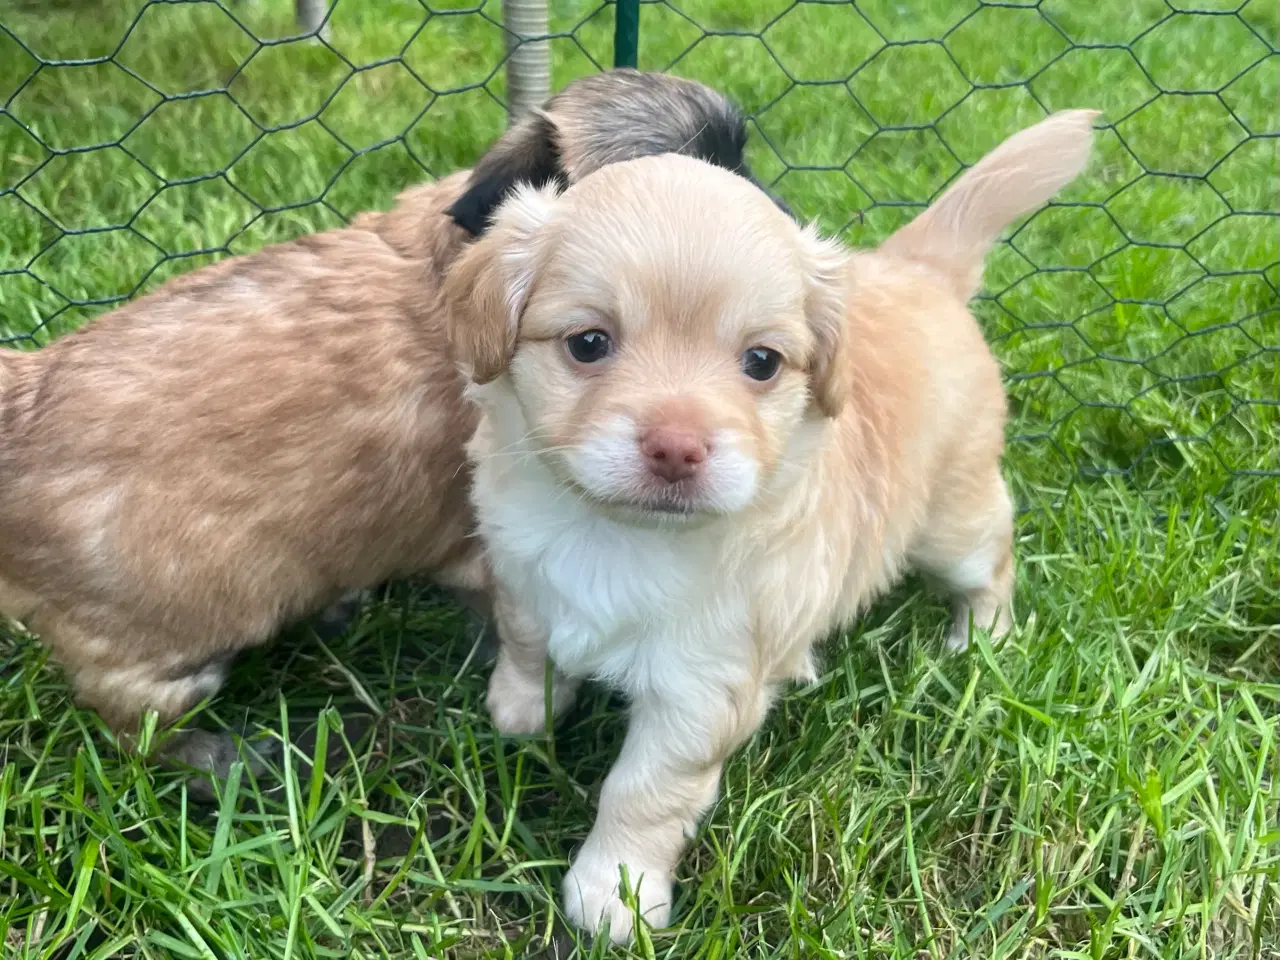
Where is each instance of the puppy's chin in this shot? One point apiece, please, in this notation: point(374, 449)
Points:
point(654, 514)
point(676, 503)
point(674, 506)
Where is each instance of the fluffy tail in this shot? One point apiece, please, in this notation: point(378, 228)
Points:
point(955, 233)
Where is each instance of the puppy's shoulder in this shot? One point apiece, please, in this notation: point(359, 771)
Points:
point(417, 226)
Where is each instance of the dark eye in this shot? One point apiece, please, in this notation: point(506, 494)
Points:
point(761, 363)
point(590, 346)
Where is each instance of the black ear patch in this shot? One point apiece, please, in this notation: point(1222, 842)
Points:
point(526, 154)
point(721, 140)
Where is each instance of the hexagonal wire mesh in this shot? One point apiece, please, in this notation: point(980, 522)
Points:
point(1136, 316)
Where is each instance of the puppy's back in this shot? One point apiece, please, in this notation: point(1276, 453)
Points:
point(927, 382)
point(249, 438)
point(418, 227)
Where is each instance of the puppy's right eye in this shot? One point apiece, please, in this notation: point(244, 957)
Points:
point(761, 363)
point(590, 346)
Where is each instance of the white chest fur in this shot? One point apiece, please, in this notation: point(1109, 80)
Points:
point(631, 606)
point(642, 609)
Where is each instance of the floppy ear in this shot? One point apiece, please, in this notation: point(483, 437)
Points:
point(831, 366)
point(527, 153)
point(487, 288)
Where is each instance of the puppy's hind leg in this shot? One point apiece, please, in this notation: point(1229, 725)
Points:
point(967, 546)
point(123, 691)
point(336, 619)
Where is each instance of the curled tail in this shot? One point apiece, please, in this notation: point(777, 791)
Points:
point(954, 234)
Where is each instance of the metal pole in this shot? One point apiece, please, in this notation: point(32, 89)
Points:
point(529, 63)
point(626, 33)
point(310, 15)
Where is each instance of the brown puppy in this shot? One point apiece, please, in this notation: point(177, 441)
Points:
point(188, 473)
point(721, 436)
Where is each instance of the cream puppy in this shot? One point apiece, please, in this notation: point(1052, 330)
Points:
point(708, 438)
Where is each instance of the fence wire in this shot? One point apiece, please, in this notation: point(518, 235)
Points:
point(1136, 317)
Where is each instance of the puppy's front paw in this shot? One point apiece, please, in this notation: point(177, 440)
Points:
point(960, 633)
point(958, 637)
point(592, 896)
point(517, 704)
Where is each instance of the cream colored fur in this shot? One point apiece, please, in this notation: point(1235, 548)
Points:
point(875, 448)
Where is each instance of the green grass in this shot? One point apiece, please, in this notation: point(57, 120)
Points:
point(1106, 785)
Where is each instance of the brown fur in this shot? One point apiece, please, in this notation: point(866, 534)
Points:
point(188, 473)
point(224, 455)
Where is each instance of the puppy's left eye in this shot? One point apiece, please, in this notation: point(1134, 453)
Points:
point(761, 363)
point(591, 346)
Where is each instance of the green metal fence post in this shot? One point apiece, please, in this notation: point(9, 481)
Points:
point(626, 32)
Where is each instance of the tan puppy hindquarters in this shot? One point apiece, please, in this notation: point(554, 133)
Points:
point(190, 472)
point(708, 438)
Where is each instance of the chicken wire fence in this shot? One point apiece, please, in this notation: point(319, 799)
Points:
point(1136, 317)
